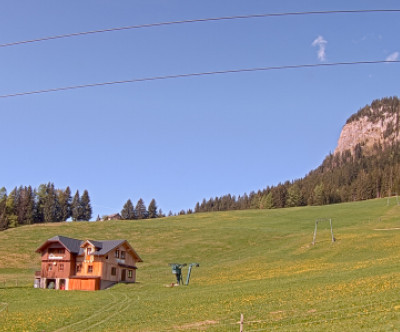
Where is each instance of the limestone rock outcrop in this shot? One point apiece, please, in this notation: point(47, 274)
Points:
point(377, 125)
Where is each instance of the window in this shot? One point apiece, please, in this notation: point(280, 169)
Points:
point(88, 251)
point(130, 273)
point(61, 251)
point(117, 253)
point(50, 267)
point(90, 269)
point(122, 254)
point(113, 271)
point(78, 268)
point(61, 267)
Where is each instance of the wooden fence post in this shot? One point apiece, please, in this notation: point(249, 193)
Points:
point(241, 322)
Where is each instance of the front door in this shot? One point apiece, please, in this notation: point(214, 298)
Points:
point(123, 275)
point(62, 284)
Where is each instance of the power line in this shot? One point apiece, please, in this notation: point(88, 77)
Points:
point(176, 76)
point(224, 18)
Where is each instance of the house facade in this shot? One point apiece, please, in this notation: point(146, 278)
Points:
point(73, 264)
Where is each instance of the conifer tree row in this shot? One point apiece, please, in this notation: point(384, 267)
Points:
point(343, 177)
point(26, 205)
point(129, 212)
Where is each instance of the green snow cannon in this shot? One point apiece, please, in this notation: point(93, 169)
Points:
point(177, 270)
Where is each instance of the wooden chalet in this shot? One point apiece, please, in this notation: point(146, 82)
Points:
point(115, 216)
point(73, 264)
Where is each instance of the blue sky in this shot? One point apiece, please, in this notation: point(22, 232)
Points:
point(183, 140)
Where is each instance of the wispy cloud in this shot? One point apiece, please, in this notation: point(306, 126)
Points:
point(320, 42)
point(393, 57)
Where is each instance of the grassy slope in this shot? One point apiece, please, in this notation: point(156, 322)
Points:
point(256, 262)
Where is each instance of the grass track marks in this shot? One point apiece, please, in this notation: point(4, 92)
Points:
point(97, 313)
point(122, 306)
point(3, 306)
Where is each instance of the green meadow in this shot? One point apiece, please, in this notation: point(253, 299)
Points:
point(259, 263)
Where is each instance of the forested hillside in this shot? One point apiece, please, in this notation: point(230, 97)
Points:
point(367, 167)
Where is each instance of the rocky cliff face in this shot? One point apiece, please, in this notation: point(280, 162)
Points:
point(377, 124)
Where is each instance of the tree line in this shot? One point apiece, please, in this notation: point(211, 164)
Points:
point(25, 205)
point(341, 178)
point(131, 212)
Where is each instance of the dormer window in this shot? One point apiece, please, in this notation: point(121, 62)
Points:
point(88, 251)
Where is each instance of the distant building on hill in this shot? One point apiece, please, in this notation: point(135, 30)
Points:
point(73, 264)
point(115, 216)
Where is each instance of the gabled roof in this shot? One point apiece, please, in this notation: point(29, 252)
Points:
point(107, 246)
point(76, 246)
point(72, 245)
point(96, 244)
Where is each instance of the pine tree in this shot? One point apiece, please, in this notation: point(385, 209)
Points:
point(12, 219)
point(65, 199)
point(152, 209)
point(128, 211)
point(86, 208)
point(267, 201)
point(319, 194)
point(255, 200)
point(294, 196)
point(40, 195)
point(244, 202)
point(50, 204)
point(141, 211)
point(203, 207)
point(30, 206)
point(25, 205)
point(279, 194)
point(76, 207)
point(3, 200)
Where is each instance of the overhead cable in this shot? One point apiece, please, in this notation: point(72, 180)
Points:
point(176, 76)
point(224, 18)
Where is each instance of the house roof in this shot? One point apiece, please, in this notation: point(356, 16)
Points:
point(76, 246)
point(103, 247)
point(72, 245)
